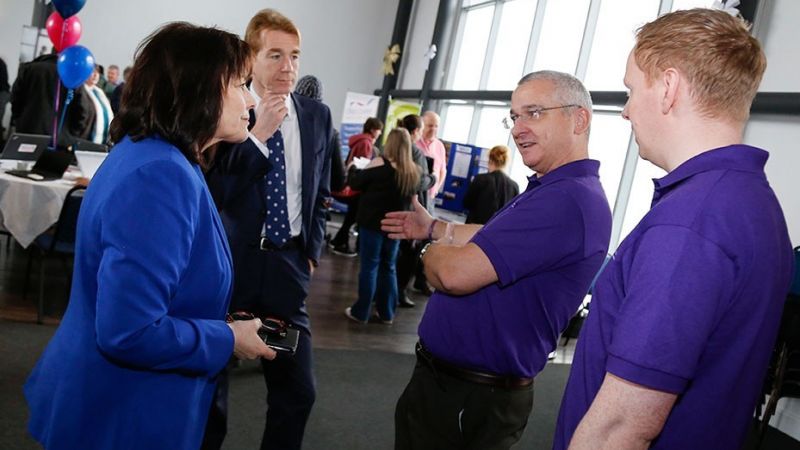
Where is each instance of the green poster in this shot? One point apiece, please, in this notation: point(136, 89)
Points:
point(397, 110)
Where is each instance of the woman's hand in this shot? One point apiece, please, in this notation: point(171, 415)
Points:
point(408, 224)
point(247, 344)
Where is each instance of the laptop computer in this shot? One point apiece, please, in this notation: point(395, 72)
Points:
point(89, 161)
point(51, 165)
point(88, 146)
point(25, 147)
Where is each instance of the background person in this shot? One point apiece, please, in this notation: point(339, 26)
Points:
point(387, 184)
point(408, 265)
point(116, 96)
point(488, 192)
point(361, 146)
point(102, 114)
point(112, 80)
point(132, 364)
point(33, 102)
point(310, 86)
point(5, 95)
point(433, 148)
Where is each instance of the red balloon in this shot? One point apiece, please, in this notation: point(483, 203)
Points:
point(63, 33)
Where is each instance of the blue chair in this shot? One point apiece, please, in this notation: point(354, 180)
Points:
point(59, 242)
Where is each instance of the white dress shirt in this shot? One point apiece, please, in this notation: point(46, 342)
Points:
point(293, 156)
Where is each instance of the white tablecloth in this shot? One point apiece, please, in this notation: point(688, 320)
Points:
point(28, 208)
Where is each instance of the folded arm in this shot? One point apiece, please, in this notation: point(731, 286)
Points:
point(458, 269)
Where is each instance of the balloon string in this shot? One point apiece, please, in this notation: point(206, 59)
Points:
point(67, 101)
point(55, 116)
point(63, 33)
point(56, 129)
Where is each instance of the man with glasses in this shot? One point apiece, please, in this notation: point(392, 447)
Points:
point(505, 291)
point(684, 317)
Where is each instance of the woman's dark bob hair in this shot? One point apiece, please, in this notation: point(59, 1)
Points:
point(176, 87)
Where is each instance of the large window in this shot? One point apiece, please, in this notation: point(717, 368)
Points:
point(559, 43)
point(614, 36)
point(641, 194)
point(474, 36)
point(490, 131)
point(608, 143)
point(511, 46)
point(458, 117)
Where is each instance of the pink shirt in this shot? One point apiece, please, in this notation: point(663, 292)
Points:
point(435, 149)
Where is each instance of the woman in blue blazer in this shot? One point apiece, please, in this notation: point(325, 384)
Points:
point(133, 364)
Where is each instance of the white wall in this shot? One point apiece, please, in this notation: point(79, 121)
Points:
point(781, 136)
point(342, 41)
point(13, 15)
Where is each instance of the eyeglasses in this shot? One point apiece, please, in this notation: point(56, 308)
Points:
point(532, 114)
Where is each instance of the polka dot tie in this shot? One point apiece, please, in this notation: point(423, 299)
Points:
point(276, 224)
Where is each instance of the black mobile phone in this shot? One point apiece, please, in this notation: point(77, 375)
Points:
point(282, 342)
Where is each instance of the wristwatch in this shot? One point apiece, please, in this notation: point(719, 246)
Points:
point(424, 249)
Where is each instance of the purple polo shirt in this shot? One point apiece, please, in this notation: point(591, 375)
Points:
point(546, 246)
point(690, 302)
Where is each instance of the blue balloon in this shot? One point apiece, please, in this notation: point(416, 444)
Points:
point(68, 8)
point(75, 65)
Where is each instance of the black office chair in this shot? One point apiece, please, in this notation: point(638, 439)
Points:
point(7, 234)
point(783, 374)
point(60, 242)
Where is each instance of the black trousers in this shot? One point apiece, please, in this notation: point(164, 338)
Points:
point(408, 265)
point(440, 412)
point(290, 395)
point(291, 389)
point(343, 235)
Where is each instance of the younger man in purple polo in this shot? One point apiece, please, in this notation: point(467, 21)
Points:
point(685, 314)
point(506, 290)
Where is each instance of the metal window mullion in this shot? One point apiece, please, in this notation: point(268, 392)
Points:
point(624, 192)
point(455, 46)
point(404, 62)
point(664, 7)
point(536, 32)
point(761, 20)
point(588, 39)
point(628, 171)
point(490, 44)
point(477, 108)
point(477, 5)
point(445, 108)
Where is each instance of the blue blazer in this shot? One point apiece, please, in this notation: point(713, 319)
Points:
point(236, 180)
point(134, 361)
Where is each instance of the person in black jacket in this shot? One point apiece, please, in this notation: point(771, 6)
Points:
point(408, 260)
point(388, 183)
point(5, 94)
point(488, 192)
point(33, 102)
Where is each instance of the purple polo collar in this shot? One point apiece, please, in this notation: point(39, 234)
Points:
point(574, 169)
point(733, 157)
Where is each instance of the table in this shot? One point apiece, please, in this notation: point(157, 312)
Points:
point(28, 208)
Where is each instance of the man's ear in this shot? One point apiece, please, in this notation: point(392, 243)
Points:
point(583, 118)
point(671, 80)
